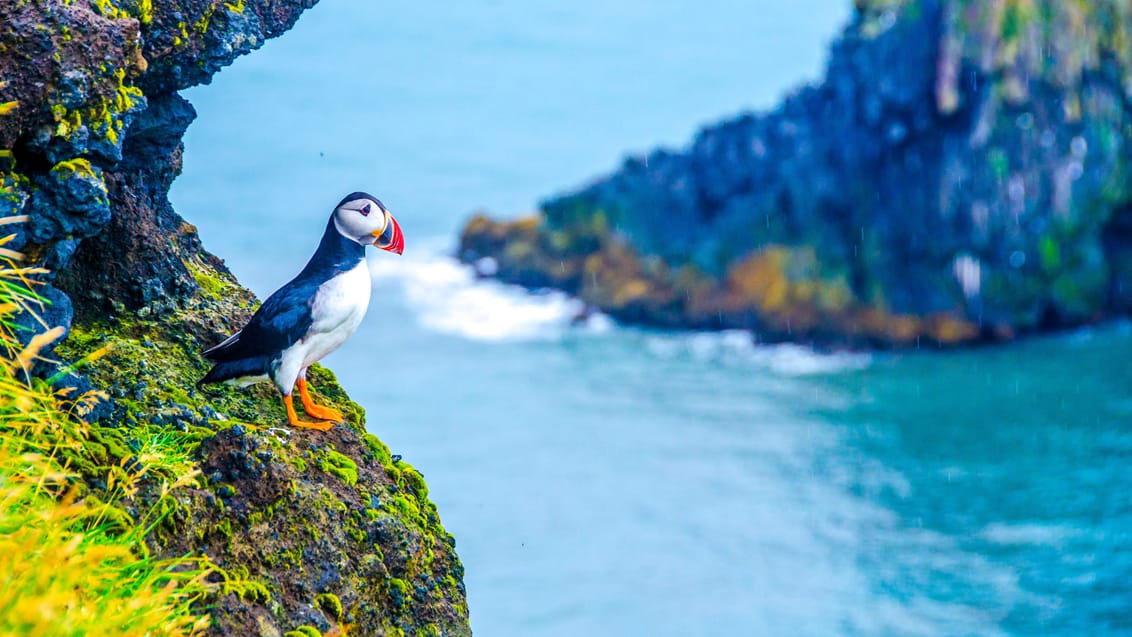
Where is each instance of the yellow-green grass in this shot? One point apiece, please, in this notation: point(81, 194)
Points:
point(71, 561)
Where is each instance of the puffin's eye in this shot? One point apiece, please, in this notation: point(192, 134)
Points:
point(365, 210)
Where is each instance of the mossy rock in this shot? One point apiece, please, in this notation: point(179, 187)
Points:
point(318, 526)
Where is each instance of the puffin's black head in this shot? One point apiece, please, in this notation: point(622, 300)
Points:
point(363, 218)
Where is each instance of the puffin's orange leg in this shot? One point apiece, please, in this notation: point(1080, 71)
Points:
point(293, 418)
point(316, 411)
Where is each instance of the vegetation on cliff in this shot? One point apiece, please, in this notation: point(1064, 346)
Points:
point(959, 174)
point(73, 561)
point(204, 500)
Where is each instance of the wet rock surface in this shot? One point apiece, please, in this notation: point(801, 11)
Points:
point(320, 533)
point(959, 175)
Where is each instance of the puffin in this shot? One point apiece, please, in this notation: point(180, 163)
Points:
point(313, 314)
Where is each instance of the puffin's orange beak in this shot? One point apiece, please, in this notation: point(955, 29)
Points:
point(390, 239)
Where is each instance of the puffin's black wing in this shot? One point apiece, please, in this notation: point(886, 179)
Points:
point(282, 320)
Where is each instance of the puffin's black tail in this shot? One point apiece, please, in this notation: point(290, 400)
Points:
point(239, 368)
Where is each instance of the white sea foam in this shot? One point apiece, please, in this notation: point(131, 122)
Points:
point(447, 296)
point(737, 346)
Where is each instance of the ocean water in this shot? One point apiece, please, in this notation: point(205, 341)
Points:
point(603, 480)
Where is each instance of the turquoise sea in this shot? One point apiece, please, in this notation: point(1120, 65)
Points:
point(602, 480)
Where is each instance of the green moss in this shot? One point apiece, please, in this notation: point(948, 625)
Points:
point(407, 508)
point(329, 604)
point(339, 465)
point(376, 557)
point(414, 480)
point(250, 591)
point(303, 631)
point(312, 531)
point(297, 461)
point(399, 589)
point(224, 528)
point(378, 449)
point(210, 282)
point(329, 502)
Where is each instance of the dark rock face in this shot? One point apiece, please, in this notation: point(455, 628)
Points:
point(138, 260)
point(69, 203)
point(188, 41)
point(95, 135)
point(310, 531)
point(961, 159)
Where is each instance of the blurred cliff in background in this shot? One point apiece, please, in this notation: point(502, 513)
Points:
point(959, 175)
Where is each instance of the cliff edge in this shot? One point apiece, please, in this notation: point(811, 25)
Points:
point(960, 174)
point(307, 532)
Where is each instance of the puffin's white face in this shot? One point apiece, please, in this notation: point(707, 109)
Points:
point(369, 223)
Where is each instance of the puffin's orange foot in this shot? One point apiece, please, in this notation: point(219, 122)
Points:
point(316, 411)
point(293, 418)
point(319, 425)
point(326, 413)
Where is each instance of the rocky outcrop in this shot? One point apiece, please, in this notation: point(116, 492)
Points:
point(94, 131)
point(309, 532)
point(960, 174)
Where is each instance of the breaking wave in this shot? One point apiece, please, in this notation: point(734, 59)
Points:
point(448, 297)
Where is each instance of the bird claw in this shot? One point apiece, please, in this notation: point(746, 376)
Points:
point(316, 411)
point(293, 418)
point(318, 425)
point(325, 413)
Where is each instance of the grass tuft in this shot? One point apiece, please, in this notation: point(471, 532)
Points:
point(73, 562)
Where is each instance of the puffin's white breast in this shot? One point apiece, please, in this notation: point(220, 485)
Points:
point(337, 309)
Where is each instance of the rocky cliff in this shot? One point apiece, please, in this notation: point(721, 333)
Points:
point(311, 533)
point(960, 174)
